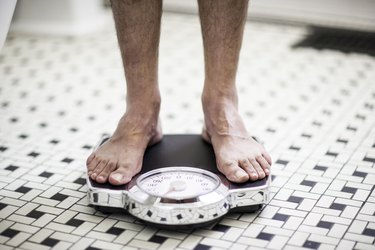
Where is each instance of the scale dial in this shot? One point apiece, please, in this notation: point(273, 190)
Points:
point(178, 183)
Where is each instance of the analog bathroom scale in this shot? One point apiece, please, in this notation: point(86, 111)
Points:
point(179, 185)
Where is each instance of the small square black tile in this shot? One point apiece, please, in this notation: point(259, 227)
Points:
point(67, 160)
point(308, 183)
point(74, 222)
point(49, 242)
point(11, 168)
point(282, 162)
point(337, 206)
point(54, 141)
point(369, 159)
point(59, 197)
point(321, 168)
point(35, 214)
point(325, 224)
point(23, 190)
point(81, 181)
point(295, 199)
point(265, 236)
point(281, 217)
point(46, 174)
point(2, 206)
point(157, 239)
point(9, 233)
point(311, 244)
point(33, 154)
point(220, 228)
point(349, 190)
point(369, 232)
point(115, 230)
point(359, 174)
point(201, 247)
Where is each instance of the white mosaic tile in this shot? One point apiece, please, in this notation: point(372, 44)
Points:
point(313, 109)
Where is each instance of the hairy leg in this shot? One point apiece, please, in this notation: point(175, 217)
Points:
point(138, 31)
point(239, 156)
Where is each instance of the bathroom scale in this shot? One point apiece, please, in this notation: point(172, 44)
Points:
point(179, 185)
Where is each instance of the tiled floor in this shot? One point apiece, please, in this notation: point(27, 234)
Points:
point(314, 110)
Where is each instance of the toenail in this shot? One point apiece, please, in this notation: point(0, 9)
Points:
point(117, 177)
point(93, 175)
point(100, 178)
point(267, 171)
point(89, 173)
point(240, 174)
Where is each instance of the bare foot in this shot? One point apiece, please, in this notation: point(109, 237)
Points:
point(120, 158)
point(238, 156)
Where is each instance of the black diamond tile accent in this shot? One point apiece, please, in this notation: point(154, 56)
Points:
point(369, 159)
point(35, 214)
point(33, 154)
point(369, 232)
point(81, 181)
point(157, 239)
point(59, 197)
point(10, 233)
point(3, 148)
point(360, 174)
point(220, 228)
point(325, 224)
point(337, 206)
point(23, 190)
point(115, 230)
point(163, 219)
point(265, 236)
point(67, 160)
point(179, 216)
point(149, 213)
point(282, 162)
point(46, 174)
point(201, 216)
point(308, 183)
point(74, 222)
point(11, 168)
point(281, 217)
point(49, 242)
point(311, 244)
point(295, 199)
point(349, 190)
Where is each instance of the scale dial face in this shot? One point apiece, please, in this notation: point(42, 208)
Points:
point(178, 183)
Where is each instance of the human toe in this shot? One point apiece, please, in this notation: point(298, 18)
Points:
point(249, 168)
point(104, 174)
point(120, 176)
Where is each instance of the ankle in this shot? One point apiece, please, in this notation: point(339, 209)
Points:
point(218, 100)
